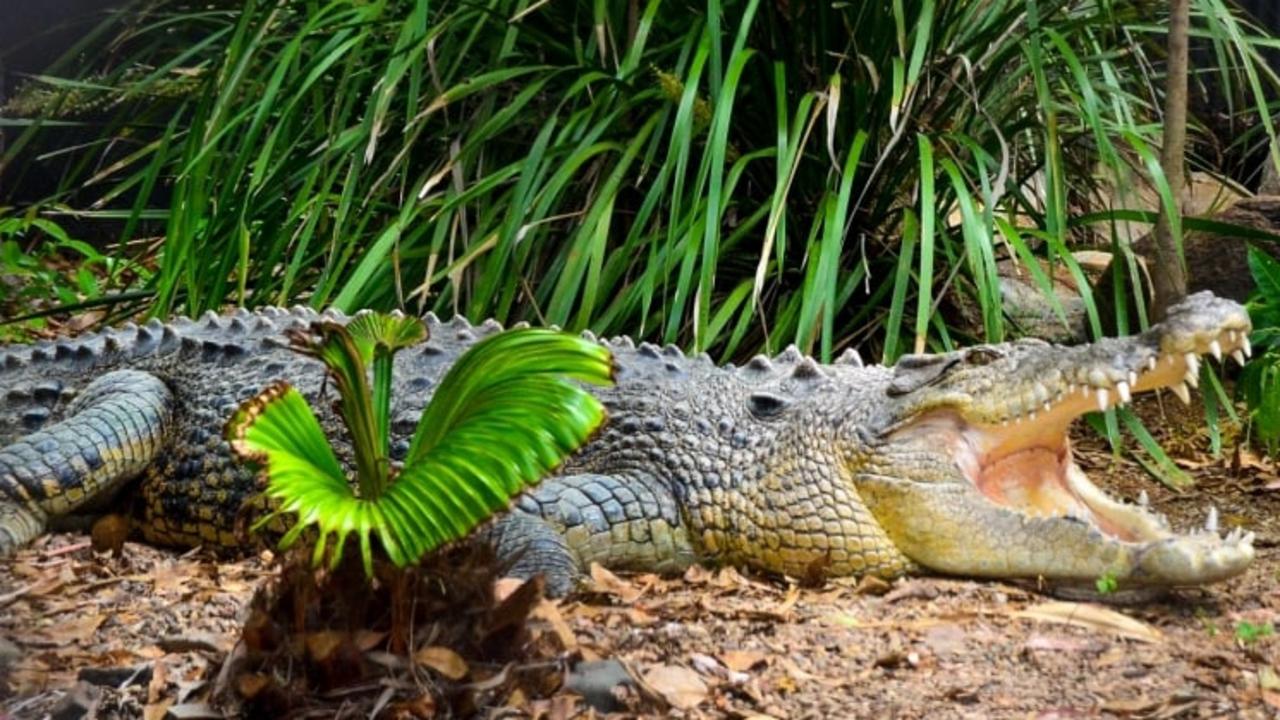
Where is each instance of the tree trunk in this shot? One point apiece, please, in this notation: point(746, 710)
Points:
point(1169, 276)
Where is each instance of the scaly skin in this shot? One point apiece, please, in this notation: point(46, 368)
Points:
point(956, 463)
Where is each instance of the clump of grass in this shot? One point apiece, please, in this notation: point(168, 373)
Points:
point(730, 176)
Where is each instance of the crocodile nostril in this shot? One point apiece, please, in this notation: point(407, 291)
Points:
point(766, 405)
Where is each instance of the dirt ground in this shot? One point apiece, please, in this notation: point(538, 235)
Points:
point(146, 633)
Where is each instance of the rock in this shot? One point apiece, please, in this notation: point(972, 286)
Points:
point(680, 687)
point(80, 701)
point(1027, 309)
point(110, 532)
point(194, 711)
point(596, 681)
point(1220, 262)
point(1215, 262)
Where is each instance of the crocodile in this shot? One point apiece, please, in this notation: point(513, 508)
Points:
point(956, 463)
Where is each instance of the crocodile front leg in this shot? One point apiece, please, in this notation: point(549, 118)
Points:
point(113, 431)
point(566, 523)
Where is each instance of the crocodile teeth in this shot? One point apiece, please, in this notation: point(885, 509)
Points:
point(1216, 350)
point(1211, 522)
point(1123, 389)
point(1238, 536)
point(1143, 499)
point(1151, 363)
point(1102, 399)
point(1192, 379)
point(1246, 346)
point(1238, 356)
point(1133, 378)
point(1182, 391)
point(1193, 363)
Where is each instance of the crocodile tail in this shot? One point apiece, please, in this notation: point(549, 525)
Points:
point(113, 431)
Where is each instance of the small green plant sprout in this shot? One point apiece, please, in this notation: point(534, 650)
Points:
point(1249, 634)
point(505, 414)
point(1106, 583)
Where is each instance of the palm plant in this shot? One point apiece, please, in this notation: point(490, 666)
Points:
point(506, 413)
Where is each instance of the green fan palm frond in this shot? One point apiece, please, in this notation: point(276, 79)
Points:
point(508, 412)
point(347, 350)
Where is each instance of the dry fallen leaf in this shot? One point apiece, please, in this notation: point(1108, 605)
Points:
point(606, 583)
point(322, 645)
point(367, 640)
point(178, 578)
point(549, 613)
point(1267, 678)
point(443, 660)
point(872, 585)
point(639, 618)
point(1093, 617)
point(743, 660)
point(681, 687)
point(503, 587)
point(249, 685)
point(157, 705)
point(783, 610)
point(728, 577)
point(77, 630)
point(1057, 643)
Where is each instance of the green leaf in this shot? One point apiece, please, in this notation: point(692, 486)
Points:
point(502, 363)
point(1266, 273)
point(277, 430)
point(378, 336)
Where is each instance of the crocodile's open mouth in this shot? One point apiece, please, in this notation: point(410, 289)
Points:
point(1023, 461)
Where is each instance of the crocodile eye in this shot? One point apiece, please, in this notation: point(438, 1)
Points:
point(980, 356)
point(765, 405)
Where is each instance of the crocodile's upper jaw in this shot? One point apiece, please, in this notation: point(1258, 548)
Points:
point(1019, 461)
point(1027, 464)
